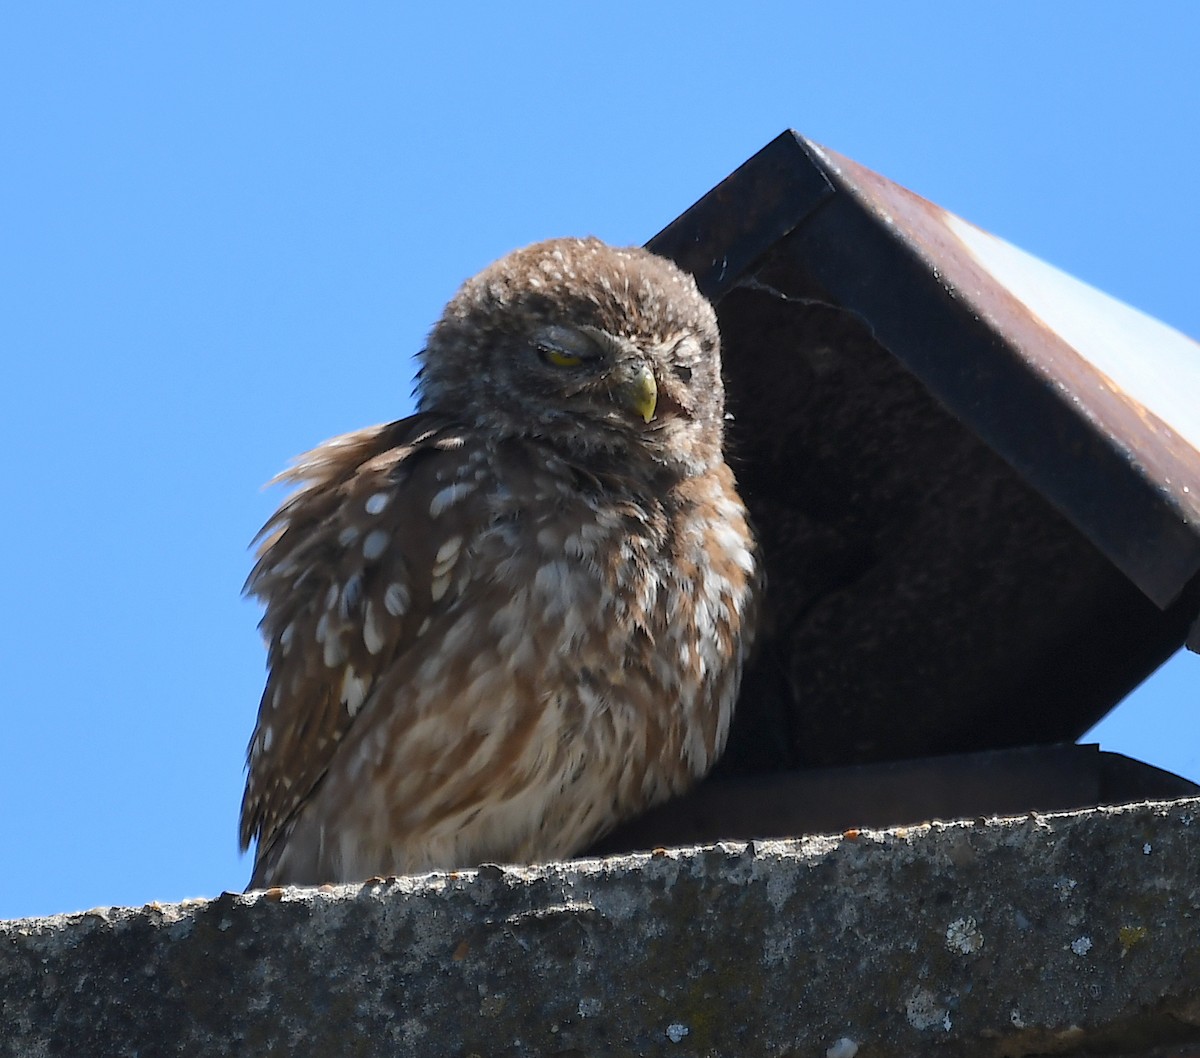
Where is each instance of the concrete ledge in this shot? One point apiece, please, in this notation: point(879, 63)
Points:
point(1071, 934)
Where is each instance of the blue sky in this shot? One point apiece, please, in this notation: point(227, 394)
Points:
point(224, 229)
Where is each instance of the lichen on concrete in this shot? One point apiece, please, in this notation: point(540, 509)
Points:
point(938, 939)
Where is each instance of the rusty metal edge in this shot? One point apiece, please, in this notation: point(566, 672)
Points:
point(1086, 474)
point(1168, 459)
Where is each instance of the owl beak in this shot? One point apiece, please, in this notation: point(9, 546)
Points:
point(638, 392)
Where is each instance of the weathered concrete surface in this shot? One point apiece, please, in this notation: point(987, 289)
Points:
point(1077, 933)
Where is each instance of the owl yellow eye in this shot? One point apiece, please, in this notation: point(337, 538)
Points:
point(558, 358)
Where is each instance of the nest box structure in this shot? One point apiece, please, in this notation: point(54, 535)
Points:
point(977, 485)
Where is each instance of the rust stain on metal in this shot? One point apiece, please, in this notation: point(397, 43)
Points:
point(1145, 439)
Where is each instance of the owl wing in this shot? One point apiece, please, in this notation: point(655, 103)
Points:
point(351, 569)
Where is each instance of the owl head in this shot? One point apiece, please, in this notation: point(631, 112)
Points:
point(588, 348)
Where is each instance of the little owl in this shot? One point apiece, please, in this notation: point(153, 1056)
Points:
point(503, 625)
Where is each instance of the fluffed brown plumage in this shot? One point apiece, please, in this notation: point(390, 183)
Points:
point(502, 625)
